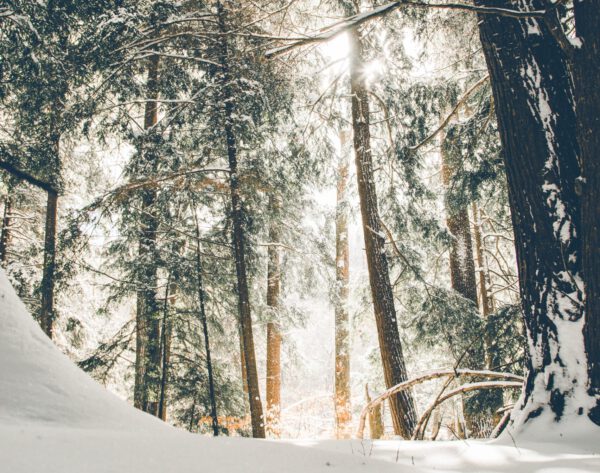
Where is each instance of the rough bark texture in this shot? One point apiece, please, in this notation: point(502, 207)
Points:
point(586, 71)
point(148, 359)
point(6, 235)
point(47, 286)
point(273, 327)
point(535, 112)
point(462, 265)
point(245, 317)
point(402, 404)
point(343, 412)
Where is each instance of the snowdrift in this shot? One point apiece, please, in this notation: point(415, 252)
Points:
point(55, 419)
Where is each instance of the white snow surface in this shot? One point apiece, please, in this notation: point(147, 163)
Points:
point(55, 419)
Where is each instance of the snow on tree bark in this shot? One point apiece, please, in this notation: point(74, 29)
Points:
point(535, 111)
point(585, 68)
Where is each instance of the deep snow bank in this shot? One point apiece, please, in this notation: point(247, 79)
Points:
point(56, 419)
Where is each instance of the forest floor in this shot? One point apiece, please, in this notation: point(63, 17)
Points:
point(55, 419)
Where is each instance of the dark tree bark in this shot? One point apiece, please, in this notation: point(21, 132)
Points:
point(148, 359)
point(47, 287)
point(5, 237)
point(462, 265)
point(402, 404)
point(586, 71)
point(204, 321)
point(343, 412)
point(273, 327)
point(245, 316)
point(165, 348)
point(535, 111)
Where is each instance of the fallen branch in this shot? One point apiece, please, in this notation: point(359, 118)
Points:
point(427, 377)
point(422, 424)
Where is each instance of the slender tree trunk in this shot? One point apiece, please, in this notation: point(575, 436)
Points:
point(273, 327)
point(245, 317)
point(462, 265)
point(147, 380)
point(343, 412)
point(375, 418)
point(535, 112)
point(586, 70)
point(487, 300)
point(496, 397)
point(209, 366)
point(166, 331)
point(47, 288)
point(5, 237)
point(402, 404)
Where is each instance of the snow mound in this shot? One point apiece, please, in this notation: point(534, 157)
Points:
point(40, 385)
point(56, 419)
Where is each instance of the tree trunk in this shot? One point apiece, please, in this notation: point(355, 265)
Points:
point(273, 327)
point(165, 348)
point(487, 308)
point(6, 235)
point(47, 287)
point(535, 112)
point(245, 317)
point(148, 359)
point(209, 366)
point(462, 265)
point(586, 70)
point(402, 405)
point(487, 300)
point(343, 412)
point(375, 418)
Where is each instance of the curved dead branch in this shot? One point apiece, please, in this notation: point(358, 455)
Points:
point(427, 376)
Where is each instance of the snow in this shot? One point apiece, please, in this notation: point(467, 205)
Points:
point(55, 419)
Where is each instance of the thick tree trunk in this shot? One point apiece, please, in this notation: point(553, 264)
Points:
point(245, 317)
point(402, 404)
point(47, 286)
point(6, 230)
point(462, 265)
point(148, 359)
point(586, 70)
point(343, 412)
point(535, 112)
point(273, 327)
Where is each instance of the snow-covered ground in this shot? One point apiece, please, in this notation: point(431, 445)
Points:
point(55, 418)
